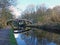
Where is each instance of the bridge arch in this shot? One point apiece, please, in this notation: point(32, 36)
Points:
point(17, 23)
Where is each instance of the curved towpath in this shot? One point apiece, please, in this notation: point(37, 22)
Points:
point(4, 37)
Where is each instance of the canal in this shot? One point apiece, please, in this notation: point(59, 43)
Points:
point(37, 37)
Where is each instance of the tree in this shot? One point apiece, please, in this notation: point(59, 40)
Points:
point(56, 14)
point(5, 12)
point(41, 14)
point(28, 12)
point(34, 13)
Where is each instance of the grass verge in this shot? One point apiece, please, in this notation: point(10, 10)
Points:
point(12, 38)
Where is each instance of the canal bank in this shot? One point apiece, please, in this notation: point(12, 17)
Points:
point(7, 37)
point(12, 38)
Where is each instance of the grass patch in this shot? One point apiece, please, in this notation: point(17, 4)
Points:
point(12, 38)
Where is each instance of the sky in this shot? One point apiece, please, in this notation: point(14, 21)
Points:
point(22, 4)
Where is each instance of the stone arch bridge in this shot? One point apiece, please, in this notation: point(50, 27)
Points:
point(26, 25)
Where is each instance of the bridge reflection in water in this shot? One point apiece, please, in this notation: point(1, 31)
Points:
point(38, 37)
point(34, 36)
point(19, 25)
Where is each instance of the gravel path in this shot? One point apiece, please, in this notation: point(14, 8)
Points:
point(4, 37)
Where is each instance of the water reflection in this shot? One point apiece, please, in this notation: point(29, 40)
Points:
point(38, 37)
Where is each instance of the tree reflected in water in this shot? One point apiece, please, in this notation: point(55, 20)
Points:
point(39, 37)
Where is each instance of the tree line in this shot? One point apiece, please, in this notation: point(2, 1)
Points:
point(41, 14)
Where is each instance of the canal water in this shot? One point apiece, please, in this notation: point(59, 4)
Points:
point(37, 37)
